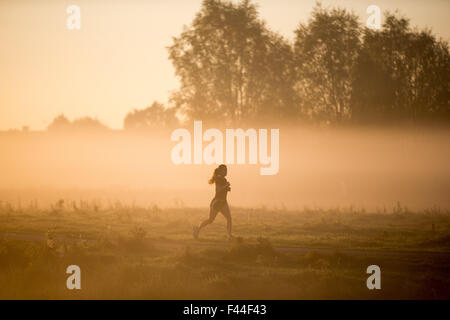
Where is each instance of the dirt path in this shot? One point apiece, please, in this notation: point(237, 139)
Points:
point(206, 245)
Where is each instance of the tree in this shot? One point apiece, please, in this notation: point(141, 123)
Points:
point(326, 50)
point(401, 74)
point(88, 124)
point(60, 122)
point(232, 67)
point(155, 116)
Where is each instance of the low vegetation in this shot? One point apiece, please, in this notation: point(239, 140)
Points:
point(148, 253)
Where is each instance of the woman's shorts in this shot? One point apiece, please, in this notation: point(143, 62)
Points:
point(216, 206)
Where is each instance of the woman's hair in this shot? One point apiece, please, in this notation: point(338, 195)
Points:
point(216, 173)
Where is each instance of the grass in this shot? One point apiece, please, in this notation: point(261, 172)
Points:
point(126, 260)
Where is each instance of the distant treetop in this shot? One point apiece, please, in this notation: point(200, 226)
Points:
point(88, 124)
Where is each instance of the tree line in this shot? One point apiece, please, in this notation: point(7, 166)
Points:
point(234, 69)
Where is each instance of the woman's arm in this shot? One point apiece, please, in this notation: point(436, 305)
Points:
point(225, 186)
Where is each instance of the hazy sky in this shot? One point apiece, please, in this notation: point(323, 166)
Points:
point(118, 61)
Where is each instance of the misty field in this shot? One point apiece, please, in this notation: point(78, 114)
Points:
point(357, 175)
point(130, 252)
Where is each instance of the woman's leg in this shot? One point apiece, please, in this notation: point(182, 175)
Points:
point(226, 212)
point(213, 210)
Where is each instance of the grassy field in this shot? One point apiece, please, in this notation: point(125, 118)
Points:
point(148, 253)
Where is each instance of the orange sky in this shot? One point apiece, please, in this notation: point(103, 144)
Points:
point(118, 60)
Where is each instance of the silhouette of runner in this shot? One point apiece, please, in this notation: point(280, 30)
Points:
point(219, 202)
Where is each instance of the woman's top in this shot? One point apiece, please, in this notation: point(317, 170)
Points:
point(222, 188)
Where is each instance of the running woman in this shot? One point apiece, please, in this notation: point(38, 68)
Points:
point(219, 202)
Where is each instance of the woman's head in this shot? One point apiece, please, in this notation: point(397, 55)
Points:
point(219, 171)
point(222, 170)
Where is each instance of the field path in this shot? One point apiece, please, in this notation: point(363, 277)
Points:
point(211, 245)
